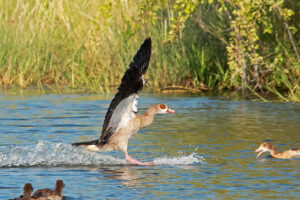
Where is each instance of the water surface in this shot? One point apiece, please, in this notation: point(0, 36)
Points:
point(205, 150)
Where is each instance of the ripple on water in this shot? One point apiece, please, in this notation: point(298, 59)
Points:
point(49, 154)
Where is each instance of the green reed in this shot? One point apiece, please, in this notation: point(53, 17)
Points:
point(87, 45)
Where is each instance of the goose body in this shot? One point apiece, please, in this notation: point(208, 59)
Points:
point(268, 147)
point(122, 120)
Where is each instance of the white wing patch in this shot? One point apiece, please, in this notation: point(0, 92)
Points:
point(135, 103)
point(143, 78)
point(123, 113)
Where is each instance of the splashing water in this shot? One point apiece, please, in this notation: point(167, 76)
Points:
point(53, 154)
point(182, 160)
point(59, 154)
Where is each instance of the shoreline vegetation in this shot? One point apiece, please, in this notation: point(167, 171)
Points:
point(249, 48)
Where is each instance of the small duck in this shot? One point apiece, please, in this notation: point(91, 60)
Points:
point(288, 154)
point(27, 192)
point(50, 194)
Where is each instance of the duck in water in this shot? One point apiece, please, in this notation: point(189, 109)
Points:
point(45, 193)
point(268, 147)
point(27, 190)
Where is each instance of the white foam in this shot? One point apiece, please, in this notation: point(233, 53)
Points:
point(47, 154)
point(53, 154)
point(180, 160)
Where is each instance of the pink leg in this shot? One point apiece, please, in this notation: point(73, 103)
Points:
point(136, 162)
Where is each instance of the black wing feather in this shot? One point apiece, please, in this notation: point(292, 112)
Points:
point(132, 82)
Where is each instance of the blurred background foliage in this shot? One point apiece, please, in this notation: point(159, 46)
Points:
point(249, 47)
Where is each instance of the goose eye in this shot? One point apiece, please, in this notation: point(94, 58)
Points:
point(162, 106)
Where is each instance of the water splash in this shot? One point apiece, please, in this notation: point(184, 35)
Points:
point(47, 154)
point(181, 160)
point(53, 154)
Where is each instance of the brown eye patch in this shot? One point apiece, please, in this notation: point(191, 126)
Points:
point(162, 106)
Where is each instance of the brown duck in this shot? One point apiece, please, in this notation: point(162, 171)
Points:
point(55, 194)
point(268, 147)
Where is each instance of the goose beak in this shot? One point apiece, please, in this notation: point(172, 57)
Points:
point(170, 110)
point(259, 151)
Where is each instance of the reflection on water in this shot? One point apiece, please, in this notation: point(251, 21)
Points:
point(205, 150)
point(130, 177)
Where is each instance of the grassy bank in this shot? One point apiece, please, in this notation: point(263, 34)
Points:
point(87, 45)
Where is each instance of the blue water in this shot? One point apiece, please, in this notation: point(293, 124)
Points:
point(204, 151)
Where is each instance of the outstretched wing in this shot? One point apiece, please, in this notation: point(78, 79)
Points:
point(123, 105)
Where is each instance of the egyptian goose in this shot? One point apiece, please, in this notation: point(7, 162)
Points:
point(50, 194)
point(266, 146)
point(27, 192)
point(122, 120)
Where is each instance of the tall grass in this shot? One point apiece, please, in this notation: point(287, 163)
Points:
point(38, 43)
point(88, 44)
